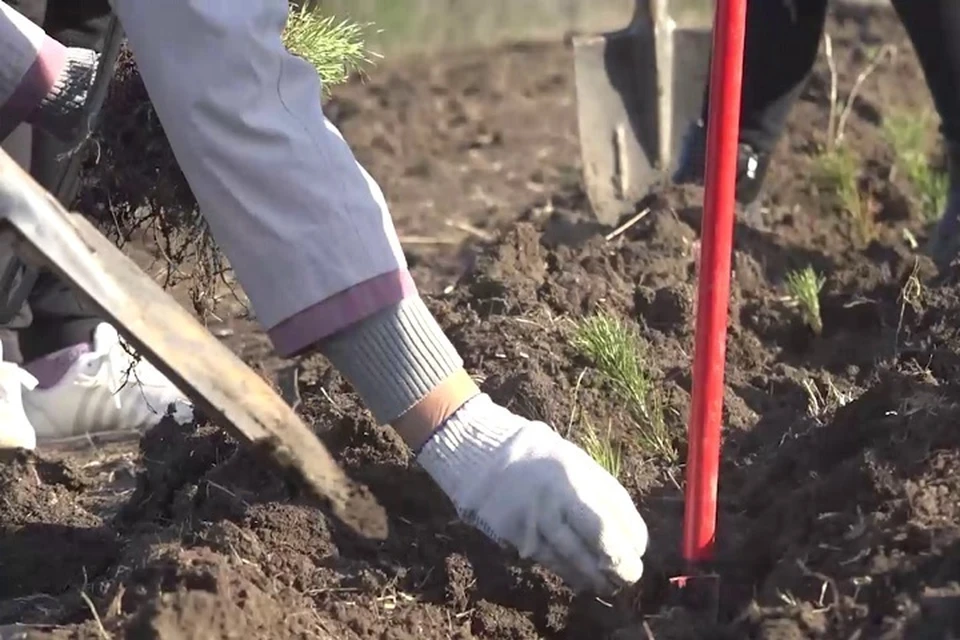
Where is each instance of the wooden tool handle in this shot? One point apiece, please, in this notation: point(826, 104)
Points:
point(220, 383)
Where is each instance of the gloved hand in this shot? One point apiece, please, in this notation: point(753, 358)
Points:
point(522, 484)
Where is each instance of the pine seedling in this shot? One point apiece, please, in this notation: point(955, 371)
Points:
point(617, 352)
point(335, 47)
point(804, 288)
point(837, 171)
point(909, 136)
point(603, 450)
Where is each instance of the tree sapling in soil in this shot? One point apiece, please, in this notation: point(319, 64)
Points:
point(617, 351)
point(837, 166)
point(335, 48)
point(838, 172)
point(909, 135)
point(602, 449)
point(804, 288)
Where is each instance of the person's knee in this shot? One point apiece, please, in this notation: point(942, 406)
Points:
point(19, 145)
point(78, 24)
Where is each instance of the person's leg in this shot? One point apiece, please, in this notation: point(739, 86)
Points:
point(18, 145)
point(58, 320)
point(87, 379)
point(42, 82)
point(81, 25)
point(62, 320)
point(934, 29)
point(33, 10)
point(782, 40)
point(15, 428)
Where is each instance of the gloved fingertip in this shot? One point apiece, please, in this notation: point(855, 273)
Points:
point(631, 572)
point(638, 533)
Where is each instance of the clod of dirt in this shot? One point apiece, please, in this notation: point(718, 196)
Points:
point(48, 543)
point(867, 500)
point(508, 277)
point(668, 309)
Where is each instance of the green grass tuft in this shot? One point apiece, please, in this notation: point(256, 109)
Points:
point(618, 352)
point(909, 136)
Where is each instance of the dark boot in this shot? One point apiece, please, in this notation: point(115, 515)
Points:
point(751, 170)
point(945, 242)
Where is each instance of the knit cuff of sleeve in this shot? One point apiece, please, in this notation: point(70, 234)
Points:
point(63, 108)
point(394, 358)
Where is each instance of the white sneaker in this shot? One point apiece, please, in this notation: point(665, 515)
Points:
point(107, 389)
point(15, 428)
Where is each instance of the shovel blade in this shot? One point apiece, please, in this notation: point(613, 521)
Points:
point(689, 52)
point(228, 391)
point(638, 90)
point(617, 118)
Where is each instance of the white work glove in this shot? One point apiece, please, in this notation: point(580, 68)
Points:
point(522, 484)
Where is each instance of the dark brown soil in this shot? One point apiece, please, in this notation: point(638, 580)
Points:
point(839, 519)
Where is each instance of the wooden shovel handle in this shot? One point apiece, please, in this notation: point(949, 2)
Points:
point(220, 383)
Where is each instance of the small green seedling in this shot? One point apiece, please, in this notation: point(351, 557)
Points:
point(804, 287)
point(932, 186)
point(838, 172)
point(907, 133)
point(838, 167)
point(603, 450)
point(909, 136)
point(335, 48)
point(617, 351)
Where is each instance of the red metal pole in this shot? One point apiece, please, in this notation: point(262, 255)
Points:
point(723, 129)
